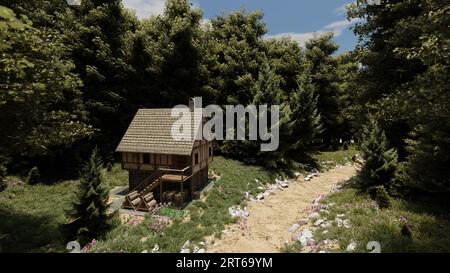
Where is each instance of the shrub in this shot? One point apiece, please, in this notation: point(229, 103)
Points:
point(109, 167)
point(3, 183)
point(379, 160)
point(34, 176)
point(382, 197)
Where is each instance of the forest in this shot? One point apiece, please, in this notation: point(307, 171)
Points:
point(73, 77)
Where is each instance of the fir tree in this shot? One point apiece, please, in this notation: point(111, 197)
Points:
point(88, 218)
point(380, 160)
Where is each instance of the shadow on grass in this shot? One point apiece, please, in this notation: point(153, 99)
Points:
point(21, 232)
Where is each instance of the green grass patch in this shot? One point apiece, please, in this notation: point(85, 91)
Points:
point(30, 215)
point(428, 221)
point(328, 160)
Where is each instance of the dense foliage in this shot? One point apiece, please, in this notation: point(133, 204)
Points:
point(72, 77)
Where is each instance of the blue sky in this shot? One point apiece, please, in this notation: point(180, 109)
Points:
point(298, 19)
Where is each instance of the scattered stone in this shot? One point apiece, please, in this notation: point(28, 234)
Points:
point(144, 251)
point(155, 249)
point(185, 250)
point(293, 228)
point(314, 215)
point(339, 222)
point(340, 215)
point(186, 244)
point(318, 199)
point(144, 239)
point(351, 247)
point(238, 212)
point(325, 232)
point(201, 250)
point(322, 251)
point(347, 223)
point(297, 174)
point(260, 196)
point(303, 222)
point(319, 222)
point(306, 237)
point(327, 224)
point(196, 249)
point(261, 188)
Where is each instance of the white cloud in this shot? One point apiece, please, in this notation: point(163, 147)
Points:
point(337, 28)
point(342, 9)
point(145, 8)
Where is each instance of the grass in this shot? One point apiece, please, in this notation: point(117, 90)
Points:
point(328, 160)
point(30, 216)
point(206, 218)
point(429, 223)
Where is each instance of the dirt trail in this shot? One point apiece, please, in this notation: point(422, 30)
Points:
point(270, 220)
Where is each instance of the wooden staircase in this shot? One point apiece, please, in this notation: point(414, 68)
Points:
point(142, 197)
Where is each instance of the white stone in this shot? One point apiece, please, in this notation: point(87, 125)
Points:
point(196, 249)
point(319, 222)
point(314, 215)
point(338, 221)
point(347, 223)
point(297, 174)
point(340, 215)
point(306, 237)
point(351, 247)
point(144, 251)
point(155, 249)
point(260, 196)
point(293, 228)
point(185, 250)
point(201, 250)
point(325, 232)
point(186, 244)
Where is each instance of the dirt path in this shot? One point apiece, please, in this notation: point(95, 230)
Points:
point(270, 220)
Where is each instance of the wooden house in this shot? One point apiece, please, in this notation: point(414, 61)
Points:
point(159, 165)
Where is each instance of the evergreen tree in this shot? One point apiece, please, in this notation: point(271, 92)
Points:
point(88, 217)
point(379, 160)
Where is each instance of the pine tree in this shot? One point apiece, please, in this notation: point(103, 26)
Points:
point(379, 160)
point(88, 217)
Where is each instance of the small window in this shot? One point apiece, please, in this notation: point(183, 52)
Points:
point(146, 159)
point(210, 151)
point(196, 158)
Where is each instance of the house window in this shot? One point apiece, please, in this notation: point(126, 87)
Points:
point(146, 159)
point(210, 151)
point(196, 158)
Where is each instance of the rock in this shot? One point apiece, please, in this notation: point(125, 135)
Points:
point(144, 239)
point(325, 232)
point(325, 211)
point(261, 188)
point(155, 249)
point(306, 237)
point(340, 215)
point(202, 243)
point(319, 222)
point(257, 181)
point(322, 251)
point(185, 250)
point(339, 222)
point(318, 199)
point(260, 196)
point(196, 249)
point(144, 251)
point(347, 223)
point(302, 222)
point(351, 247)
point(297, 174)
point(293, 228)
point(186, 244)
point(201, 250)
point(327, 224)
point(314, 215)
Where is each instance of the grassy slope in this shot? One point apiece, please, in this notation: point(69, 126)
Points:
point(206, 217)
point(430, 225)
point(30, 216)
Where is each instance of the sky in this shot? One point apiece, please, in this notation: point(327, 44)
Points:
point(298, 19)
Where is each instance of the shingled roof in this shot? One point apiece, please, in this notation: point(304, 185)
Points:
point(150, 132)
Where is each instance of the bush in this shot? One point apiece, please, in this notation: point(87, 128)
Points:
point(3, 184)
point(379, 160)
point(109, 167)
point(34, 176)
point(381, 196)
